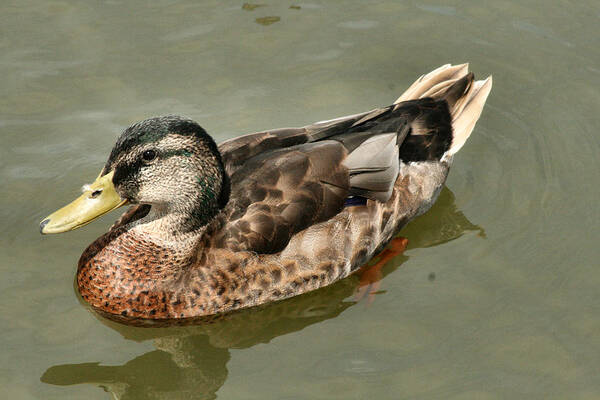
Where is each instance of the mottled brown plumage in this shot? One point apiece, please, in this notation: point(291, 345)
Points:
point(266, 216)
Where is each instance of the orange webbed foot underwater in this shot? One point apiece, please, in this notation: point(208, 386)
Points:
point(370, 275)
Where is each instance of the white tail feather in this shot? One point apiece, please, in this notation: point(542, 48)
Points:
point(426, 82)
point(463, 121)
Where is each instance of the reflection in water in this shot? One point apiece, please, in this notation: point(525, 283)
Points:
point(191, 361)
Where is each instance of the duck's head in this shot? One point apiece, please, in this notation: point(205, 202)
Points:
point(169, 162)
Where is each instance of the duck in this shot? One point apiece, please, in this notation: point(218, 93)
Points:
point(213, 228)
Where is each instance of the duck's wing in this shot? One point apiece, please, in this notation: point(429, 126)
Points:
point(427, 122)
point(235, 152)
point(278, 193)
point(282, 192)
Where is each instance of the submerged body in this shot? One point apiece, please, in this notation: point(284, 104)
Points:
point(269, 215)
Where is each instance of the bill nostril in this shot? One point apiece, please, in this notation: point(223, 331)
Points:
point(95, 193)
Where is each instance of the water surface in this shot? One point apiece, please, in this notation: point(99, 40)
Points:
point(497, 295)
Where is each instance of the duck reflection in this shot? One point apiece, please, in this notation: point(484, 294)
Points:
point(190, 362)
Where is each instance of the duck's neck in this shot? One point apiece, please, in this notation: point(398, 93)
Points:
point(193, 208)
point(165, 224)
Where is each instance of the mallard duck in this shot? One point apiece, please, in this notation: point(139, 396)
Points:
point(266, 216)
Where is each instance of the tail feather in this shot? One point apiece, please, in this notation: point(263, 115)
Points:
point(464, 119)
point(440, 75)
point(457, 92)
point(439, 89)
point(465, 98)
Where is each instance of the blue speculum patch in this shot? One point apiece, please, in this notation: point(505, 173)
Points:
point(355, 201)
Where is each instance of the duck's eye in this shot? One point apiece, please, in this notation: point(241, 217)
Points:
point(149, 155)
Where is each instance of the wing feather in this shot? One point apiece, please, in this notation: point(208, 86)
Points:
point(282, 192)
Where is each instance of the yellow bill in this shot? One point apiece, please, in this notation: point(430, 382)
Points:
point(97, 199)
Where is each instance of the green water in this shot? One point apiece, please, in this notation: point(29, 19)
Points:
point(497, 295)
